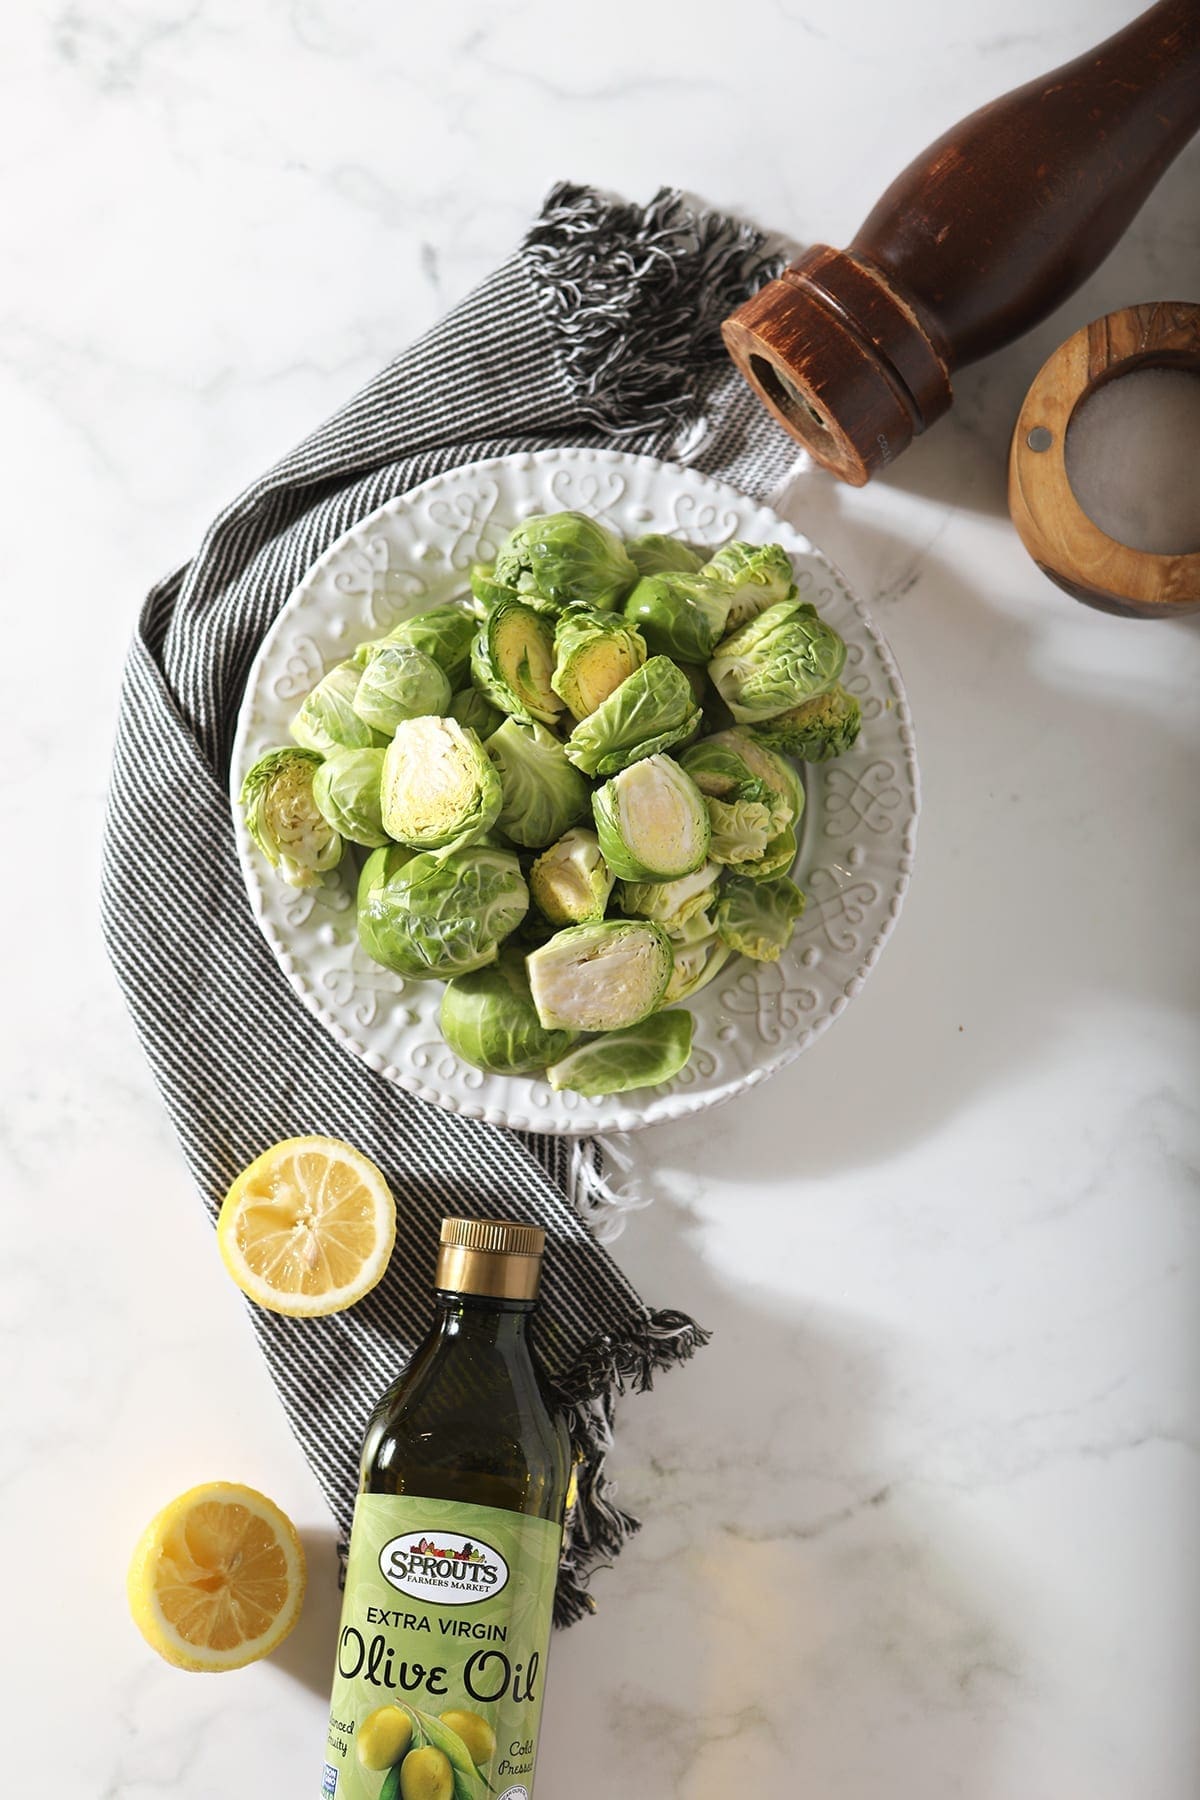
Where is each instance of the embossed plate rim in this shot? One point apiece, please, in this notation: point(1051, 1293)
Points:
point(647, 491)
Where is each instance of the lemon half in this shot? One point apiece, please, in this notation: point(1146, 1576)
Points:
point(308, 1228)
point(217, 1579)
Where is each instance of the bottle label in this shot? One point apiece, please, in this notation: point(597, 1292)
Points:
point(441, 1652)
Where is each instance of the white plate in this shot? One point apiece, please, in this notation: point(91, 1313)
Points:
point(859, 825)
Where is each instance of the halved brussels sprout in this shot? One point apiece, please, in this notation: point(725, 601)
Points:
point(439, 789)
point(652, 709)
point(817, 729)
point(470, 708)
point(754, 576)
point(346, 791)
point(284, 820)
point(644, 1055)
point(695, 965)
point(785, 655)
point(571, 882)
point(327, 719)
point(682, 616)
point(656, 554)
point(652, 821)
point(541, 794)
point(431, 917)
point(670, 903)
point(594, 652)
point(600, 977)
point(758, 917)
point(566, 558)
point(489, 1019)
point(442, 633)
point(512, 662)
point(400, 682)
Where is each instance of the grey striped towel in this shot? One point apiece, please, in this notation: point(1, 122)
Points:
point(601, 329)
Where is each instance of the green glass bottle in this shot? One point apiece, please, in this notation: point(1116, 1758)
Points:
point(455, 1545)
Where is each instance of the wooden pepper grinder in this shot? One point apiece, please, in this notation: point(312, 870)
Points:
point(979, 239)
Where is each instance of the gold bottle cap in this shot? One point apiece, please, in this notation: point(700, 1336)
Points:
point(490, 1256)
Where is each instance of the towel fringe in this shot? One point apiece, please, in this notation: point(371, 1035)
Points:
point(596, 1526)
point(636, 295)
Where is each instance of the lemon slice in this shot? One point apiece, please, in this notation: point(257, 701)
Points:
point(308, 1228)
point(217, 1578)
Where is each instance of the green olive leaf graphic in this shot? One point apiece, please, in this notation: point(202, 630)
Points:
point(391, 1784)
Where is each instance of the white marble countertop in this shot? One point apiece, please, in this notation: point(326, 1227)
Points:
point(923, 1520)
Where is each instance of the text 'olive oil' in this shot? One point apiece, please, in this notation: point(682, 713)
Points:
point(454, 1551)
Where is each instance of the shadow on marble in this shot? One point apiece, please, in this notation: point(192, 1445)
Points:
point(799, 1612)
point(1045, 881)
point(963, 461)
point(307, 1655)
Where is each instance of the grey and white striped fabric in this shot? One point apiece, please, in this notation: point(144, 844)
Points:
point(601, 329)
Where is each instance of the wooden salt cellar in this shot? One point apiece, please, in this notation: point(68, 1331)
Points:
point(979, 239)
point(1064, 542)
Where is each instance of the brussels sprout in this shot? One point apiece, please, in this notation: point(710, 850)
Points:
point(346, 791)
point(376, 872)
point(489, 1019)
point(470, 708)
point(600, 977)
point(695, 965)
point(486, 591)
point(729, 762)
point(656, 554)
point(815, 730)
point(785, 655)
point(284, 820)
point(593, 654)
point(439, 789)
point(571, 882)
point(652, 821)
point(640, 1056)
point(742, 829)
point(752, 795)
point(327, 719)
point(399, 682)
point(757, 917)
point(431, 917)
point(566, 558)
point(652, 709)
point(754, 576)
point(541, 794)
point(682, 616)
point(444, 634)
point(512, 662)
point(670, 903)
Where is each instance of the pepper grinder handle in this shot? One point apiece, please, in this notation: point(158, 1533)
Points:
point(981, 237)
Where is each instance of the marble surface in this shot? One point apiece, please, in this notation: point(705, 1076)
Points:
point(923, 1520)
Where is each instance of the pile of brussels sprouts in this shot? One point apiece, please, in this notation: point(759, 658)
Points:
point(574, 791)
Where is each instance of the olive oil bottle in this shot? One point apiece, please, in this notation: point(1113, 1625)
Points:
point(454, 1550)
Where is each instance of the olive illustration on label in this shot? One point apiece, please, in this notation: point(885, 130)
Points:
point(383, 1737)
point(426, 1774)
point(475, 1733)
